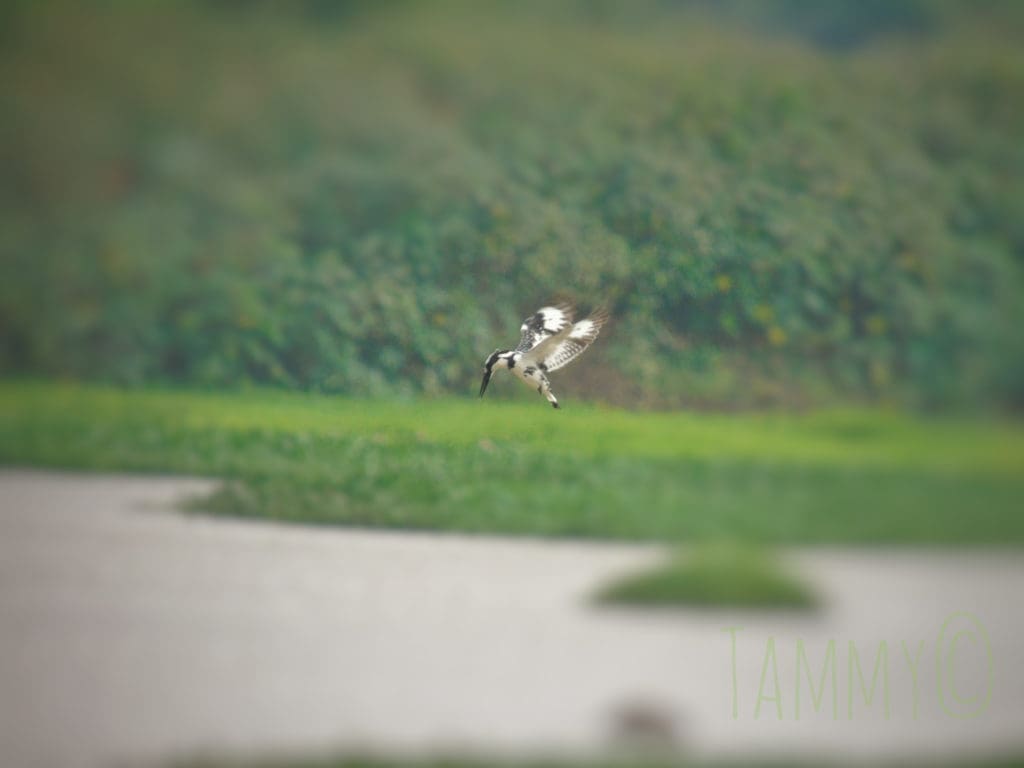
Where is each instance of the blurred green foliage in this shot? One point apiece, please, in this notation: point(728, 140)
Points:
point(781, 202)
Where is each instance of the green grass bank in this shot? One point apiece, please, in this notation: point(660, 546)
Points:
point(840, 477)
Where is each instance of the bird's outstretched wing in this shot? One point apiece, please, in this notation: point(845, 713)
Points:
point(543, 324)
point(559, 350)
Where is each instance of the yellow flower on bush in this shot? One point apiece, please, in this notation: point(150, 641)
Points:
point(875, 325)
point(776, 336)
point(724, 283)
point(763, 313)
point(879, 373)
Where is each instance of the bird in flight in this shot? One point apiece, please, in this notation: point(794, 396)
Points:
point(550, 340)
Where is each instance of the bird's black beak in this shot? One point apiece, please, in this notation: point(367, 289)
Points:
point(485, 382)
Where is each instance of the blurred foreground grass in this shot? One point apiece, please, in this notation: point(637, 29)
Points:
point(636, 761)
point(839, 477)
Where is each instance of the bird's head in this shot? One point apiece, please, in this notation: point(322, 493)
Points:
point(496, 360)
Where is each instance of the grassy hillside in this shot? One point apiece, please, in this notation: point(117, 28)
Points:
point(782, 203)
point(843, 477)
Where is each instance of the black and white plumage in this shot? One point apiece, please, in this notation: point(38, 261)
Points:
point(550, 340)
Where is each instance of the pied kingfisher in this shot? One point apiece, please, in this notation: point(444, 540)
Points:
point(550, 340)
